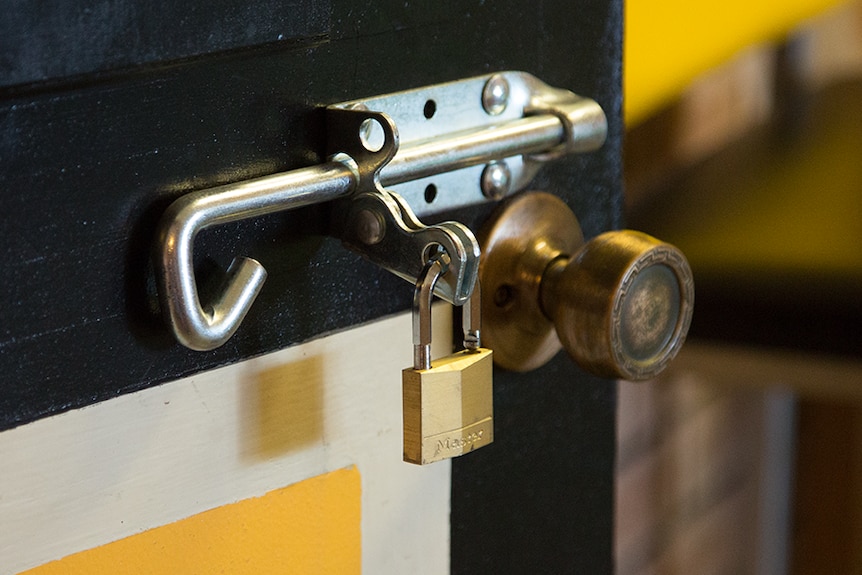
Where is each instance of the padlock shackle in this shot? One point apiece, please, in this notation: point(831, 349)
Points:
point(423, 294)
point(471, 319)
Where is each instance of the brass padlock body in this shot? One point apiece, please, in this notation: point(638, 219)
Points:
point(448, 409)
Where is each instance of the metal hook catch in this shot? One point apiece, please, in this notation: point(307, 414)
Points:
point(203, 328)
point(207, 327)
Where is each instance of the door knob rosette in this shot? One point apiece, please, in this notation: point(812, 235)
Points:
point(620, 304)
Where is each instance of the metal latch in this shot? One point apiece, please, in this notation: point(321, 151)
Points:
point(391, 157)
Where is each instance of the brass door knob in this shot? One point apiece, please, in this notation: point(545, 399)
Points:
point(620, 304)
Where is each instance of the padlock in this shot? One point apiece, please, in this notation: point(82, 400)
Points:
point(448, 403)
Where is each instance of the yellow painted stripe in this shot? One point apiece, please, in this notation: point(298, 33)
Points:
point(310, 527)
point(670, 42)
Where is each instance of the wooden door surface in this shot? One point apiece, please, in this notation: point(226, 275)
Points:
point(110, 110)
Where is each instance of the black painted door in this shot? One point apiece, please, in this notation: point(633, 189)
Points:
point(110, 110)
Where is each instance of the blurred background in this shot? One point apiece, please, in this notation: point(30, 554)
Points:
point(744, 149)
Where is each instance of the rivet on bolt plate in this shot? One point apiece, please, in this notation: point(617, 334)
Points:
point(370, 227)
point(495, 94)
point(496, 180)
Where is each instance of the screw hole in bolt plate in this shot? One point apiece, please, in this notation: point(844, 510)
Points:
point(430, 193)
point(430, 109)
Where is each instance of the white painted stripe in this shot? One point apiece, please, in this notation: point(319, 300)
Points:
point(84, 478)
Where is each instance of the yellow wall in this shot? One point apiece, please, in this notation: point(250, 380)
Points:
point(669, 42)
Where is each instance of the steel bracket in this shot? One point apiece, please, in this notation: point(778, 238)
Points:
point(391, 158)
